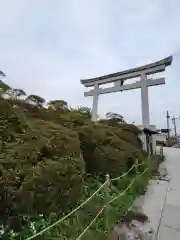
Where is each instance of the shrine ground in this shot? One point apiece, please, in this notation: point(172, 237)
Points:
point(169, 226)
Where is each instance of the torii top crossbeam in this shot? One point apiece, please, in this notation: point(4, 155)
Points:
point(148, 69)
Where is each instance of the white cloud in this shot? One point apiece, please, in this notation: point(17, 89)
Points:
point(48, 46)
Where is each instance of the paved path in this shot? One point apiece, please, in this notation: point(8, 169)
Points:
point(170, 221)
point(161, 203)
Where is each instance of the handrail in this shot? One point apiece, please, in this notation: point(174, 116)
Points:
point(87, 200)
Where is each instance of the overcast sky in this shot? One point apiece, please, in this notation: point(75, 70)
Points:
point(47, 46)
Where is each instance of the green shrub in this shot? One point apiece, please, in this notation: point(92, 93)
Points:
point(41, 169)
point(105, 151)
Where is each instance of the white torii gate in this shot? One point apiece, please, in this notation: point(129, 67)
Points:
point(118, 80)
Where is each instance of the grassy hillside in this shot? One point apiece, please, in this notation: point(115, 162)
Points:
point(48, 154)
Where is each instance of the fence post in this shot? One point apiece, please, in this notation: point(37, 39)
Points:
point(137, 169)
point(106, 217)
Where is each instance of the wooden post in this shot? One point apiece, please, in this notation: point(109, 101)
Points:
point(106, 214)
point(137, 168)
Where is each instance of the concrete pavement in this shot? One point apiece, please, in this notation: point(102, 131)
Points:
point(170, 221)
point(161, 203)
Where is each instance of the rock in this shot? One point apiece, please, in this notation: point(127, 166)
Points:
point(162, 170)
point(135, 225)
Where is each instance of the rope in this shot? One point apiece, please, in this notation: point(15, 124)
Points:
point(123, 175)
point(91, 223)
point(140, 164)
point(130, 185)
point(115, 179)
point(69, 214)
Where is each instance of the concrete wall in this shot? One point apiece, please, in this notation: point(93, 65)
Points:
point(143, 137)
point(154, 137)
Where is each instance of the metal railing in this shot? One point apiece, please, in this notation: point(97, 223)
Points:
point(105, 208)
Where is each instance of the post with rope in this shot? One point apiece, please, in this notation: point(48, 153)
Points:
point(106, 198)
point(136, 166)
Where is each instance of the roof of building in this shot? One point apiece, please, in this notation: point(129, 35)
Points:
point(148, 130)
point(163, 62)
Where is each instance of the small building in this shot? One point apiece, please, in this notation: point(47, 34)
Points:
point(161, 140)
point(148, 137)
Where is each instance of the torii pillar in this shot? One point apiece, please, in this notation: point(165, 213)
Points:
point(95, 103)
point(144, 100)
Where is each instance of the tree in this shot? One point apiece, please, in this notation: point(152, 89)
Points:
point(2, 74)
point(37, 100)
point(58, 105)
point(3, 88)
point(80, 116)
point(115, 116)
point(83, 112)
point(16, 93)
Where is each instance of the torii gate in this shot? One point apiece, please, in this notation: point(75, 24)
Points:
point(119, 78)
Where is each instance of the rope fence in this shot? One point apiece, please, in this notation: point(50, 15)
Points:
point(106, 187)
point(123, 175)
point(68, 215)
point(130, 185)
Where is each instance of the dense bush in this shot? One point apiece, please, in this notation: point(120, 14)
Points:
point(45, 154)
point(130, 137)
point(41, 168)
point(105, 151)
point(130, 128)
